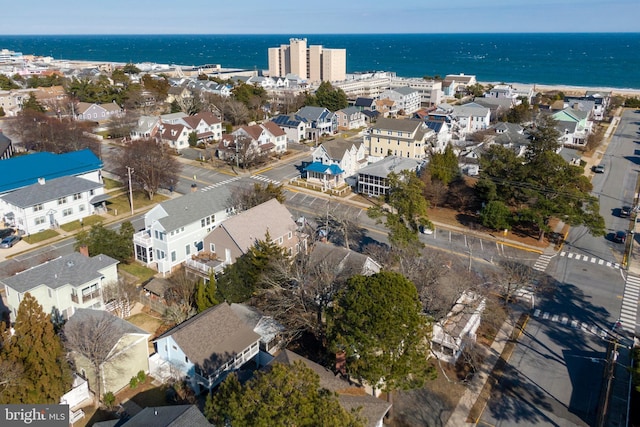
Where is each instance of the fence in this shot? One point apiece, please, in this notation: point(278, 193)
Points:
point(154, 304)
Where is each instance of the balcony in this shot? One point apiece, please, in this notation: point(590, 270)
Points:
point(85, 298)
point(143, 238)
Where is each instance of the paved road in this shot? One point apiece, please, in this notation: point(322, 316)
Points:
point(555, 375)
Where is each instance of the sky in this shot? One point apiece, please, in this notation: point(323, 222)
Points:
point(319, 17)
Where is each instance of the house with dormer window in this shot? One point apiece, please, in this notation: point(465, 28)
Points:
point(334, 161)
point(350, 118)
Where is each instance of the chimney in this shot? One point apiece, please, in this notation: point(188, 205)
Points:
point(41, 181)
point(194, 187)
point(84, 250)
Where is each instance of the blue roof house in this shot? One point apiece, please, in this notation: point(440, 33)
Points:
point(22, 171)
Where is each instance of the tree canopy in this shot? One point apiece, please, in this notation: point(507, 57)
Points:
point(38, 351)
point(405, 209)
point(376, 321)
point(152, 163)
point(542, 185)
point(333, 99)
point(285, 395)
point(101, 240)
point(444, 166)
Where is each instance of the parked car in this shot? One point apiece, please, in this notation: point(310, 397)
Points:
point(620, 237)
point(625, 211)
point(8, 242)
point(6, 232)
point(599, 168)
point(426, 230)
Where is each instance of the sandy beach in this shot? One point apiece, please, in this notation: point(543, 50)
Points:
point(572, 90)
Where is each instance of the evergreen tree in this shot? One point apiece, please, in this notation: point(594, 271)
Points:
point(377, 322)
point(333, 99)
point(286, 395)
point(32, 103)
point(405, 210)
point(47, 375)
point(206, 294)
point(444, 166)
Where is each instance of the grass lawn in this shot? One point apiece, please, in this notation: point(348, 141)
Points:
point(146, 322)
point(86, 222)
point(140, 271)
point(145, 394)
point(110, 184)
point(39, 237)
point(120, 204)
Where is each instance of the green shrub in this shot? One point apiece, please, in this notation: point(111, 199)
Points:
point(133, 382)
point(141, 376)
point(109, 399)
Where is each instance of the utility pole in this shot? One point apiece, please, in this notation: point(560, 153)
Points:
point(129, 172)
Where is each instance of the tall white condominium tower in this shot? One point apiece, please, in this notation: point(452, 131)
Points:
point(314, 63)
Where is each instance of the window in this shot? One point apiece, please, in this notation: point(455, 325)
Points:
point(49, 291)
point(290, 234)
point(212, 247)
point(67, 212)
point(77, 196)
point(173, 256)
point(91, 192)
point(40, 220)
point(62, 200)
point(202, 223)
point(186, 359)
point(187, 249)
point(280, 240)
point(38, 207)
point(81, 208)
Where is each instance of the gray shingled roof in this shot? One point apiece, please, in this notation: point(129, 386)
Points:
point(194, 206)
point(389, 164)
point(168, 416)
point(252, 225)
point(397, 124)
point(336, 148)
point(344, 261)
point(405, 90)
point(213, 337)
point(51, 190)
point(73, 269)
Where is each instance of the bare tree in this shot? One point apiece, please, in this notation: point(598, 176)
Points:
point(236, 112)
point(247, 152)
point(123, 293)
point(120, 126)
point(92, 334)
point(513, 278)
point(343, 222)
point(297, 294)
point(153, 166)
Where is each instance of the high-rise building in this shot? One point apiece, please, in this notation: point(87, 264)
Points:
point(314, 63)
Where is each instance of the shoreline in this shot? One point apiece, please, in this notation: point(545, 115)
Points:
point(572, 89)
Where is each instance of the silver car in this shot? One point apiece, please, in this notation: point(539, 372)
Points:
point(8, 242)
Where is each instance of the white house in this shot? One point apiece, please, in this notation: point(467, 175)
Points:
point(97, 112)
point(67, 283)
point(452, 334)
point(471, 117)
point(335, 160)
point(406, 98)
point(174, 229)
point(294, 127)
point(51, 203)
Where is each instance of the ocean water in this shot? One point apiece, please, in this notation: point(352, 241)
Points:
point(585, 59)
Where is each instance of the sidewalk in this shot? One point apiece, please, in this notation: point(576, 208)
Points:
point(490, 358)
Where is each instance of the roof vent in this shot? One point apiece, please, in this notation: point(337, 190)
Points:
point(69, 264)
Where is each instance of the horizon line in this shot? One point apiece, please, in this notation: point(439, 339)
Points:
point(321, 34)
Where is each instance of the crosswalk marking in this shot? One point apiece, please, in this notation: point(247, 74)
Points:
point(265, 179)
point(542, 262)
point(629, 306)
point(591, 259)
point(220, 184)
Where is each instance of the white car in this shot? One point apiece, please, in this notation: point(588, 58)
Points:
point(426, 230)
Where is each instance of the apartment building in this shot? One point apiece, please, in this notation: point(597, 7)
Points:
point(396, 137)
point(314, 62)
